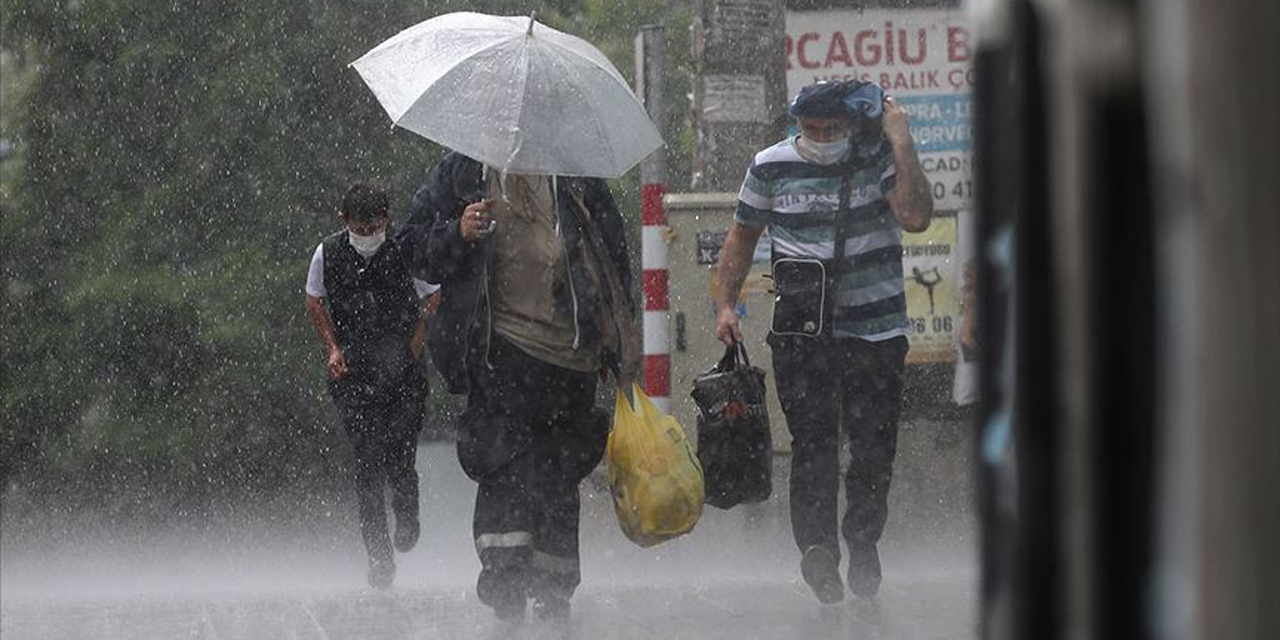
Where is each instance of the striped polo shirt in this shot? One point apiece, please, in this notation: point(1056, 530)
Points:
point(797, 200)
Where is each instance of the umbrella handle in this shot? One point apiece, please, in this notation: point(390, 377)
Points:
point(532, 15)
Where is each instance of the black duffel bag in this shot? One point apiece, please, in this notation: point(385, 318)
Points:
point(734, 442)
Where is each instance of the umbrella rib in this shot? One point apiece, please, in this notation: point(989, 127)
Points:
point(519, 139)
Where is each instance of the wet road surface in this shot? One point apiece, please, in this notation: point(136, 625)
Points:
point(735, 577)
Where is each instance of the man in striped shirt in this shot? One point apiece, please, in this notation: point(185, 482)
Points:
point(852, 177)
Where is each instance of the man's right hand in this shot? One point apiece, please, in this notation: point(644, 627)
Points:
point(337, 364)
point(476, 223)
point(727, 328)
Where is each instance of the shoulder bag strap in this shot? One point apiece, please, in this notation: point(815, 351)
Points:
point(842, 224)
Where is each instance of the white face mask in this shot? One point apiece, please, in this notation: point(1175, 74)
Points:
point(824, 152)
point(367, 245)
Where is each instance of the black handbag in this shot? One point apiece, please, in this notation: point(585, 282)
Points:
point(735, 445)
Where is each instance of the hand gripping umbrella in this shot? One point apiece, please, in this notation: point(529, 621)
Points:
point(512, 93)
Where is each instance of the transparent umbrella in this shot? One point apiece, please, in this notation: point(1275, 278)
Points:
point(512, 93)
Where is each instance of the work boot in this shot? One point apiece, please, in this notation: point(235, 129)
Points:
point(821, 571)
point(864, 570)
point(551, 608)
point(509, 609)
point(406, 535)
point(382, 572)
point(507, 603)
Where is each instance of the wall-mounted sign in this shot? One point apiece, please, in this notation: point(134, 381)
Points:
point(734, 98)
point(735, 20)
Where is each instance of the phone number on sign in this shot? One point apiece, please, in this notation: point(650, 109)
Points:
point(950, 179)
point(935, 324)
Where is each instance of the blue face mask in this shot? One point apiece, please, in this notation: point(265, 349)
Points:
point(824, 152)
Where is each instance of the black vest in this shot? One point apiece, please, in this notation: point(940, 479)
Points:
point(371, 301)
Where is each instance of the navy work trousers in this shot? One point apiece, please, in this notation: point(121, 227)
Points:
point(528, 437)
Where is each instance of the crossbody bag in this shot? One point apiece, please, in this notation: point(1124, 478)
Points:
point(804, 303)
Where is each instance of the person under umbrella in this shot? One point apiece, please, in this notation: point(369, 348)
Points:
point(536, 305)
point(525, 238)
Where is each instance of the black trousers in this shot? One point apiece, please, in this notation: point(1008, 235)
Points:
point(529, 435)
point(382, 414)
point(827, 384)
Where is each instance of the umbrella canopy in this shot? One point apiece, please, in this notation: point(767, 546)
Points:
point(512, 93)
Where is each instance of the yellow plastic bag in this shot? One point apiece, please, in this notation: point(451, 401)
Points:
point(653, 472)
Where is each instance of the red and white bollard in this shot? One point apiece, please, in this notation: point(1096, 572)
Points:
point(653, 260)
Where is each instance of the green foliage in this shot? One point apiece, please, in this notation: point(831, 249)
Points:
point(175, 164)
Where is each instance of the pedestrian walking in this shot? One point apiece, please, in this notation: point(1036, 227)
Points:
point(519, 227)
point(835, 199)
point(536, 308)
point(370, 314)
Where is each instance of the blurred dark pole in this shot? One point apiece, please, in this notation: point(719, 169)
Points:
point(1086, 319)
point(1018, 496)
point(1231, 181)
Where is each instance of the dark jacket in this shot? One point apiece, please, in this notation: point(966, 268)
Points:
point(374, 307)
point(370, 301)
point(438, 254)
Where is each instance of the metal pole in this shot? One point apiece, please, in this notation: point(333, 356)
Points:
point(653, 245)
